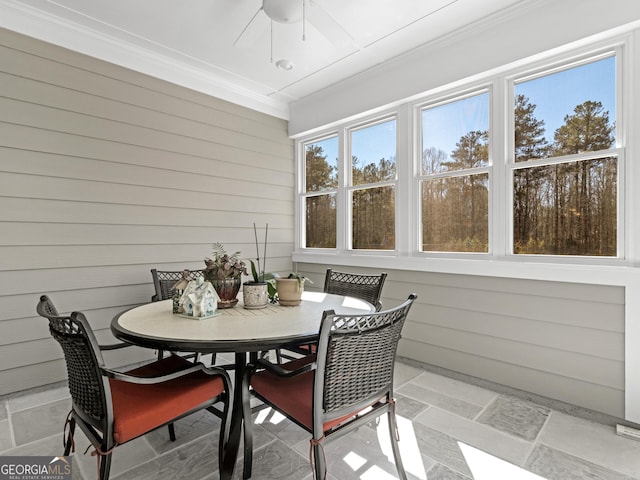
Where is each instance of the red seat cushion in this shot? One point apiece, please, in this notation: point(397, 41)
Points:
point(138, 409)
point(292, 395)
point(308, 347)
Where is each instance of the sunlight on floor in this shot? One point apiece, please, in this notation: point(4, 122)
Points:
point(376, 473)
point(354, 461)
point(270, 415)
point(483, 466)
point(409, 450)
point(487, 467)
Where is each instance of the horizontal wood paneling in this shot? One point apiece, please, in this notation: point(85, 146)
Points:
point(129, 86)
point(37, 163)
point(106, 173)
point(57, 188)
point(38, 139)
point(596, 342)
point(560, 340)
point(55, 99)
point(47, 210)
point(576, 392)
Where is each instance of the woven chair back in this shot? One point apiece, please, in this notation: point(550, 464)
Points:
point(364, 287)
point(164, 281)
point(83, 359)
point(359, 354)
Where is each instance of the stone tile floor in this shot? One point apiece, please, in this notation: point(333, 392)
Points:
point(449, 429)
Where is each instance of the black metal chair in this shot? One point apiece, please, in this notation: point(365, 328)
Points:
point(113, 407)
point(164, 281)
point(349, 384)
point(362, 286)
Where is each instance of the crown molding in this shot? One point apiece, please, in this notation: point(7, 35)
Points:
point(207, 79)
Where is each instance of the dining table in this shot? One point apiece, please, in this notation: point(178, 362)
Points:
point(242, 331)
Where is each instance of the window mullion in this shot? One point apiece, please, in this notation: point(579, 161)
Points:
point(343, 223)
point(500, 144)
point(406, 206)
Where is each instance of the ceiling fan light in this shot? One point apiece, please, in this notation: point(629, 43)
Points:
point(283, 11)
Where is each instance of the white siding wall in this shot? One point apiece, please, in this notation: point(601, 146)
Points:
point(561, 340)
point(106, 173)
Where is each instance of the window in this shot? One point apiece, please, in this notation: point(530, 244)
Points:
point(373, 177)
point(454, 176)
point(527, 163)
point(321, 185)
point(566, 168)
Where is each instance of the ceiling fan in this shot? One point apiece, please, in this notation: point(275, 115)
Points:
point(296, 11)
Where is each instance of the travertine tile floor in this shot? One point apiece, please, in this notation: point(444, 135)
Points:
point(449, 429)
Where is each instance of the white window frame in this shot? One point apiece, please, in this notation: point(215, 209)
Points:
point(349, 187)
point(301, 175)
point(618, 151)
point(500, 259)
point(419, 177)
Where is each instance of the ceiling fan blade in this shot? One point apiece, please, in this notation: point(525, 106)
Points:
point(328, 26)
point(242, 37)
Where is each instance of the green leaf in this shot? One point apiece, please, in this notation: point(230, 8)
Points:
point(254, 272)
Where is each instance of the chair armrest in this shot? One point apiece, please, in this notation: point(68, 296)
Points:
point(198, 367)
point(115, 346)
point(278, 369)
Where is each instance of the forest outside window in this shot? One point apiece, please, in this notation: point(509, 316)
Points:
point(372, 186)
point(454, 179)
point(565, 169)
point(320, 192)
point(523, 165)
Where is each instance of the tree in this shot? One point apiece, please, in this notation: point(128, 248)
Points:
point(319, 174)
point(432, 160)
point(321, 209)
point(529, 143)
point(472, 150)
point(568, 208)
point(373, 208)
point(587, 130)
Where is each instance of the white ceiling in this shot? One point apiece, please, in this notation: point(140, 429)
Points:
point(191, 42)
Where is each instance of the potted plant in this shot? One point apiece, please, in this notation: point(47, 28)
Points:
point(290, 289)
point(225, 272)
point(255, 293)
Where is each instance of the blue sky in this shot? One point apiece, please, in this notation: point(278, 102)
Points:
point(372, 143)
point(555, 96)
point(443, 126)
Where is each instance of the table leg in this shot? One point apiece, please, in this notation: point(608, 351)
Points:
point(235, 430)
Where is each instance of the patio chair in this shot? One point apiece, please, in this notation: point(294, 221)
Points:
point(164, 282)
point(113, 407)
point(364, 287)
point(349, 384)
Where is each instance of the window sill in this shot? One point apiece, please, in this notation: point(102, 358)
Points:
point(597, 271)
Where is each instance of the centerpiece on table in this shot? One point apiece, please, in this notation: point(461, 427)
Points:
point(225, 271)
point(257, 292)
